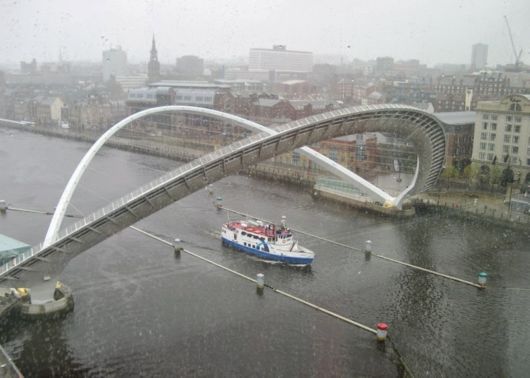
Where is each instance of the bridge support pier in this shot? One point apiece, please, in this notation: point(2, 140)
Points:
point(61, 303)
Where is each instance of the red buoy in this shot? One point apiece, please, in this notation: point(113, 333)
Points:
point(382, 329)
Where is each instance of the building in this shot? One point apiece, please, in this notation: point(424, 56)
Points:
point(459, 128)
point(28, 68)
point(190, 66)
point(479, 56)
point(502, 133)
point(114, 63)
point(243, 86)
point(153, 67)
point(176, 92)
point(46, 110)
point(455, 93)
point(294, 88)
point(280, 60)
point(131, 81)
point(93, 113)
point(10, 248)
point(384, 65)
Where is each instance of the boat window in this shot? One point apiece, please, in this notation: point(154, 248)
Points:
point(243, 233)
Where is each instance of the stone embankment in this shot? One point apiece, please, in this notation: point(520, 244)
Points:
point(473, 205)
point(147, 145)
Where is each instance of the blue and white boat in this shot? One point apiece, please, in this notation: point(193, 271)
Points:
point(266, 241)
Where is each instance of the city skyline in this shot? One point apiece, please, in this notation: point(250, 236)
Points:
point(432, 33)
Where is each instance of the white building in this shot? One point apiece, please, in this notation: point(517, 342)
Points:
point(132, 81)
point(502, 132)
point(479, 56)
point(114, 63)
point(280, 59)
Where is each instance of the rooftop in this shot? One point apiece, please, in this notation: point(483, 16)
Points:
point(9, 244)
point(456, 118)
point(188, 84)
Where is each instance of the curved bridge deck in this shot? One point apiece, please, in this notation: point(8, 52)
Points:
point(421, 128)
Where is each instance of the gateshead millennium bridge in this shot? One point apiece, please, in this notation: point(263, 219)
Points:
point(47, 259)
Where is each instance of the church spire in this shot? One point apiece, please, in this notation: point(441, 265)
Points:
point(153, 67)
point(154, 53)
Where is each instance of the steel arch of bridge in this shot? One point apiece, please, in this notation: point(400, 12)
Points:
point(421, 128)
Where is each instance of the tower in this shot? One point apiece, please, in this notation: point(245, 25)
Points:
point(153, 67)
point(479, 56)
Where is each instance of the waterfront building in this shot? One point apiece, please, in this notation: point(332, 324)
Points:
point(46, 110)
point(502, 133)
point(114, 63)
point(459, 128)
point(454, 92)
point(93, 113)
point(479, 56)
point(10, 248)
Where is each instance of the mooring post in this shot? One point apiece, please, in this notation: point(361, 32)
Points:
point(219, 203)
point(3, 206)
point(368, 250)
point(260, 281)
point(482, 279)
point(382, 330)
point(177, 249)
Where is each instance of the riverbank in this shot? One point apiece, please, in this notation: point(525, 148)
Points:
point(488, 207)
point(478, 206)
point(144, 146)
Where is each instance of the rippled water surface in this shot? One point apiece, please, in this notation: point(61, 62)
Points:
point(140, 311)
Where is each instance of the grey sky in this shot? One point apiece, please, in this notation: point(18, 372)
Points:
point(432, 31)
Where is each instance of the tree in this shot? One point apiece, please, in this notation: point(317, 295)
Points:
point(470, 173)
point(450, 172)
point(495, 175)
point(484, 175)
point(507, 176)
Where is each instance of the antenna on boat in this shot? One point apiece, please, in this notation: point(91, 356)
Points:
point(284, 219)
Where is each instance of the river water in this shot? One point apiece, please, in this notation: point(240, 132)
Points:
point(141, 312)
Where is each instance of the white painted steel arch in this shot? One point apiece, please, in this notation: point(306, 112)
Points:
point(64, 201)
point(421, 128)
point(315, 156)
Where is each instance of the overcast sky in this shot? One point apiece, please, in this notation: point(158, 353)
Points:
point(433, 31)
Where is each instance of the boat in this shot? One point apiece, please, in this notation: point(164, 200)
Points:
point(266, 241)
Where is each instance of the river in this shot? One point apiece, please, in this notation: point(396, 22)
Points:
point(139, 311)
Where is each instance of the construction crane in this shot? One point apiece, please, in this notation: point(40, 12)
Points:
point(517, 56)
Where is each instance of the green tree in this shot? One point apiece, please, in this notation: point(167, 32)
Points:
point(484, 175)
point(495, 175)
point(470, 173)
point(450, 172)
point(507, 176)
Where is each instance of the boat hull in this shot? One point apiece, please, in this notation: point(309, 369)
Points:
point(283, 258)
